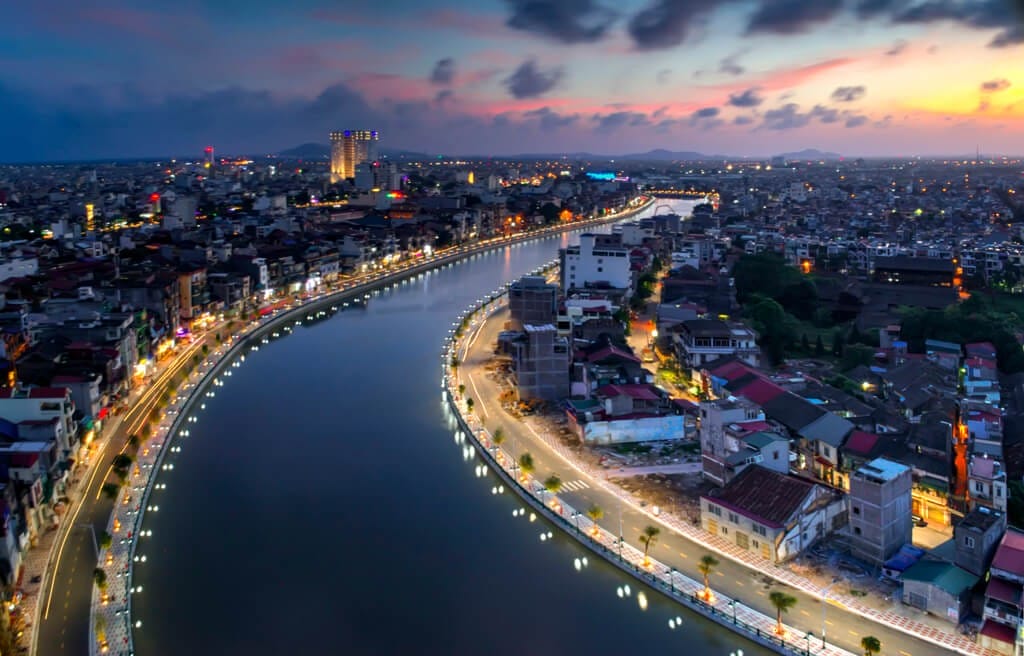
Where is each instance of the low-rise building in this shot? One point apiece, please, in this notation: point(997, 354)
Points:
point(939, 588)
point(879, 500)
point(976, 537)
point(1003, 605)
point(774, 516)
point(700, 341)
point(541, 364)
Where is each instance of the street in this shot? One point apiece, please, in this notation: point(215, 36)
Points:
point(750, 587)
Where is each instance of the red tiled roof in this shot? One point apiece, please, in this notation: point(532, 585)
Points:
point(635, 391)
point(47, 392)
point(981, 363)
point(24, 459)
point(999, 632)
point(1003, 591)
point(731, 371)
point(861, 442)
point(609, 351)
point(1010, 554)
point(766, 496)
point(750, 426)
point(760, 391)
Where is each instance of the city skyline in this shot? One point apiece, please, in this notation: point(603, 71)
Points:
point(755, 78)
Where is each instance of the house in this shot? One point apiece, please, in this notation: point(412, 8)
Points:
point(879, 500)
point(975, 538)
point(771, 515)
point(627, 413)
point(939, 588)
point(700, 341)
point(541, 364)
point(532, 301)
point(1003, 605)
point(986, 483)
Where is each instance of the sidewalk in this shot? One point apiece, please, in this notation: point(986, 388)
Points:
point(922, 628)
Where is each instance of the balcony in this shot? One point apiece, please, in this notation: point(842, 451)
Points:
point(1002, 613)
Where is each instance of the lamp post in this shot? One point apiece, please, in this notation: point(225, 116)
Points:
point(672, 580)
point(732, 607)
point(808, 638)
point(576, 518)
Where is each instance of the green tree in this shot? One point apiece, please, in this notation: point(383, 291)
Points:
point(526, 463)
point(553, 484)
point(819, 347)
point(99, 577)
point(855, 355)
point(837, 343)
point(871, 645)
point(106, 540)
point(595, 513)
point(498, 436)
point(648, 538)
point(110, 490)
point(805, 344)
point(782, 603)
point(773, 325)
point(854, 336)
point(469, 405)
point(707, 564)
point(133, 442)
point(122, 461)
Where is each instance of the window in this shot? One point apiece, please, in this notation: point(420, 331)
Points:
point(714, 510)
point(775, 455)
point(856, 530)
point(826, 451)
point(600, 269)
point(725, 530)
point(756, 544)
point(968, 542)
point(734, 518)
point(760, 530)
point(856, 510)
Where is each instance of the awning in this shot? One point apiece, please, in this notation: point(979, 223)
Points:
point(824, 462)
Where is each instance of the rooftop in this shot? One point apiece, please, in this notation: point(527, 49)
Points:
point(944, 576)
point(882, 470)
point(763, 495)
point(1010, 554)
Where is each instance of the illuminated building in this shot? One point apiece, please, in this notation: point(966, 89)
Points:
point(90, 217)
point(349, 149)
point(208, 157)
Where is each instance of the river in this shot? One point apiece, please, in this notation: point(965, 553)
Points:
point(321, 506)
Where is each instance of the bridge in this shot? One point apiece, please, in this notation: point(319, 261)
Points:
point(687, 194)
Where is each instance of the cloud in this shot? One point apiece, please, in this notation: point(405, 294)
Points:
point(706, 112)
point(791, 16)
point(978, 14)
point(743, 119)
point(444, 71)
point(897, 48)
point(667, 23)
point(789, 117)
point(1011, 36)
point(443, 96)
point(729, 66)
point(856, 120)
point(528, 81)
point(748, 98)
point(706, 117)
point(849, 94)
point(616, 120)
point(548, 119)
point(993, 86)
point(563, 21)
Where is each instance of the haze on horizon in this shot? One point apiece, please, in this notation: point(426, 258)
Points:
point(86, 80)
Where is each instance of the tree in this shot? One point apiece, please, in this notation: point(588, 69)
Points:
point(133, 441)
point(462, 389)
point(498, 436)
point(595, 513)
point(805, 344)
point(553, 484)
point(469, 404)
point(819, 347)
point(871, 645)
point(526, 463)
point(707, 564)
point(106, 540)
point(782, 603)
point(110, 490)
point(837, 343)
point(99, 577)
point(855, 336)
point(648, 538)
point(122, 461)
point(206, 349)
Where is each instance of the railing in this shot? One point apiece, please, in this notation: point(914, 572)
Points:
point(688, 592)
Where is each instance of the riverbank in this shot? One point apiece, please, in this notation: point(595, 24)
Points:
point(720, 609)
point(126, 523)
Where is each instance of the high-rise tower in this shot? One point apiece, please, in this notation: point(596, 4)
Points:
point(349, 149)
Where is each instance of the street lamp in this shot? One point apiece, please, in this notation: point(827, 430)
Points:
point(808, 638)
point(672, 580)
point(576, 517)
point(732, 607)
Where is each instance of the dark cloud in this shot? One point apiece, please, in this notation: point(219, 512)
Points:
point(992, 86)
point(667, 23)
point(787, 117)
point(706, 117)
point(743, 119)
point(564, 21)
point(528, 81)
point(856, 120)
point(897, 48)
point(706, 112)
point(549, 119)
point(444, 71)
point(825, 114)
point(872, 8)
point(443, 96)
point(979, 14)
point(729, 66)
point(617, 120)
point(748, 98)
point(791, 16)
point(849, 94)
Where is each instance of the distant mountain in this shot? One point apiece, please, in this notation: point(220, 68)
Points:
point(307, 151)
point(660, 154)
point(810, 153)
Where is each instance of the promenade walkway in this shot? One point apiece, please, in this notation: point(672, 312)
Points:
point(939, 637)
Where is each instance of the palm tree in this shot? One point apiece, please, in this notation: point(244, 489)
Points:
point(553, 484)
point(498, 436)
point(648, 538)
point(100, 578)
point(707, 565)
point(111, 490)
point(782, 602)
point(595, 512)
point(526, 464)
point(871, 645)
point(469, 405)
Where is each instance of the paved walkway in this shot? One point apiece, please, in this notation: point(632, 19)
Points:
point(936, 635)
point(681, 468)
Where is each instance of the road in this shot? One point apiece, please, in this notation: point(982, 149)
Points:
point(63, 622)
point(580, 490)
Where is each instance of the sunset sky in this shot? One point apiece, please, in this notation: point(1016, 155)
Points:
point(82, 79)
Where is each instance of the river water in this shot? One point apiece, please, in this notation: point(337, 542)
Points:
point(321, 506)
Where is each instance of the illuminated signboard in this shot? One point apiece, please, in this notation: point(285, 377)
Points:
point(600, 175)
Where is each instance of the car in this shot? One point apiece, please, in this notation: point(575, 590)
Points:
point(918, 520)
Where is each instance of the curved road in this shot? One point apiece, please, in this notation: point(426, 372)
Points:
point(748, 586)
